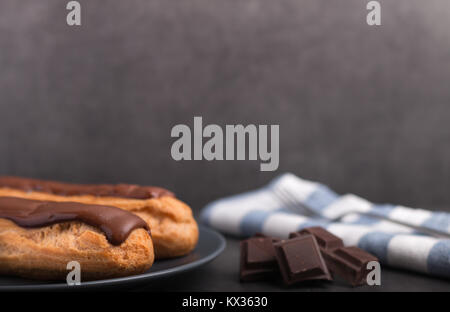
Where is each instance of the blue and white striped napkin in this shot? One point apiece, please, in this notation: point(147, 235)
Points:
point(290, 203)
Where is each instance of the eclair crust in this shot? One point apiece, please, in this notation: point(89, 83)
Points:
point(43, 253)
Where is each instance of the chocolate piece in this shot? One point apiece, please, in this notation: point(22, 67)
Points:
point(294, 235)
point(69, 189)
point(274, 239)
point(325, 239)
point(350, 263)
point(258, 234)
point(116, 223)
point(300, 259)
point(258, 260)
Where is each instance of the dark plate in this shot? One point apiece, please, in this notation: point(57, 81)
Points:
point(209, 246)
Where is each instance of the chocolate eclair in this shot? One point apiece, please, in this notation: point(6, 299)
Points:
point(70, 189)
point(174, 230)
point(39, 238)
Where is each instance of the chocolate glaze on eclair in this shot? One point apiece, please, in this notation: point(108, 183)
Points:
point(70, 189)
point(115, 223)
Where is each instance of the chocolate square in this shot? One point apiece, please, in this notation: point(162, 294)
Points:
point(260, 253)
point(299, 259)
point(325, 239)
point(350, 263)
point(258, 234)
point(257, 260)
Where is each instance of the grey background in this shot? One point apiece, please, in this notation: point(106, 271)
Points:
point(363, 109)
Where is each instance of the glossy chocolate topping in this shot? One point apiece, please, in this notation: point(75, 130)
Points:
point(116, 223)
point(69, 189)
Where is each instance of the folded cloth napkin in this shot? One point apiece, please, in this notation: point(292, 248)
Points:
point(290, 203)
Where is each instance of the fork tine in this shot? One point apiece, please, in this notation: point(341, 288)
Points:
point(304, 209)
point(293, 203)
point(285, 201)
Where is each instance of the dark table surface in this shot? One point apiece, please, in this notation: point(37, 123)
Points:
point(222, 275)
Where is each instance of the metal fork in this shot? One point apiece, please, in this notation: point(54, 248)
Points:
point(291, 203)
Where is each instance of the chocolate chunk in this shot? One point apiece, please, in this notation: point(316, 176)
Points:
point(258, 260)
point(294, 235)
point(350, 263)
point(299, 259)
point(325, 239)
point(274, 239)
point(258, 234)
